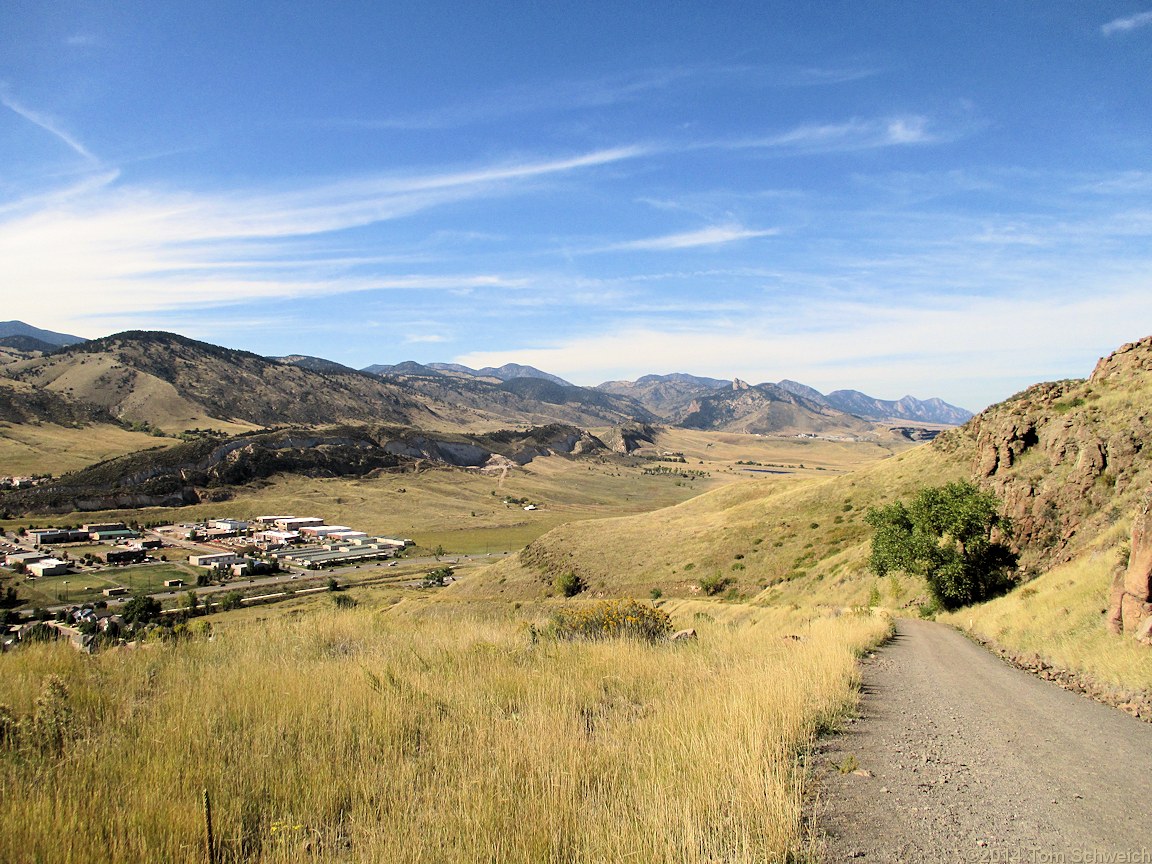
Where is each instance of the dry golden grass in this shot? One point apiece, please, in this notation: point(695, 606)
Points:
point(780, 540)
point(1060, 618)
point(361, 736)
point(45, 448)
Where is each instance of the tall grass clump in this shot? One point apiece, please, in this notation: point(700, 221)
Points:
point(350, 735)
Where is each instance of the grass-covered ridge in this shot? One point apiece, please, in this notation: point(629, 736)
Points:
point(353, 735)
point(779, 539)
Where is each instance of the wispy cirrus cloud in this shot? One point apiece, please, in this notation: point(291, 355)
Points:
point(49, 124)
point(142, 248)
point(1123, 25)
point(856, 134)
point(715, 235)
point(608, 91)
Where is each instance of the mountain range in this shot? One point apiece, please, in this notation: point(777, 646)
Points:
point(171, 382)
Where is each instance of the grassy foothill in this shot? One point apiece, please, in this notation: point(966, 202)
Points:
point(362, 735)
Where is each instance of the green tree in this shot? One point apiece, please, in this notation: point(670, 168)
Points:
point(952, 536)
point(141, 609)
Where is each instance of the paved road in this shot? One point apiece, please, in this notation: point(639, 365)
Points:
point(963, 758)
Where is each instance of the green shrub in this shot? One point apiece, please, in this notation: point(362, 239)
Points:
point(569, 584)
point(713, 585)
point(613, 619)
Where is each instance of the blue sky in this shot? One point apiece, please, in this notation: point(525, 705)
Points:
point(932, 198)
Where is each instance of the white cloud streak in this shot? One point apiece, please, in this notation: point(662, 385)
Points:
point(713, 236)
point(1123, 25)
point(855, 134)
point(48, 124)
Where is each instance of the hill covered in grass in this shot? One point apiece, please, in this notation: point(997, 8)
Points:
point(1069, 460)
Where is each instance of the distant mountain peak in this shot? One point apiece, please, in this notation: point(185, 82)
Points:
point(19, 328)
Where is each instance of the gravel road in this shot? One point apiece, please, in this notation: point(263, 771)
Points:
point(957, 756)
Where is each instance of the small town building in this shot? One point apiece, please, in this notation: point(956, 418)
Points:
point(23, 558)
point(174, 583)
point(319, 531)
point(114, 535)
point(92, 527)
point(229, 525)
point(125, 556)
point(214, 559)
point(118, 591)
point(295, 523)
point(44, 536)
point(49, 567)
point(276, 538)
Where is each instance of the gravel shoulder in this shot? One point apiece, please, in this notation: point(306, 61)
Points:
point(957, 756)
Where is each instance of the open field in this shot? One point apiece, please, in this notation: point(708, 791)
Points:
point(331, 735)
point(721, 451)
point(87, 587)
point(464, 511)
point(31, 448)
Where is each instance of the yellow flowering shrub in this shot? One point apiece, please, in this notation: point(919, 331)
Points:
point(611, 619)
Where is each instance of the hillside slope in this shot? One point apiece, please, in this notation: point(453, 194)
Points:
point(1069, 460)
point(774, 535)
point(176, 383)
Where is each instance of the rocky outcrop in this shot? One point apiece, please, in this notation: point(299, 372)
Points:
point(1130, 606)
point(1067, 455)
point(629, 438)
point(1131, 359)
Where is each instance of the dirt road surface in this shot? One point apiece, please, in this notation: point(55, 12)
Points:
point(957, 756)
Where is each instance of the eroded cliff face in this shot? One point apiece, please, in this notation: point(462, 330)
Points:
point(1067, 458)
